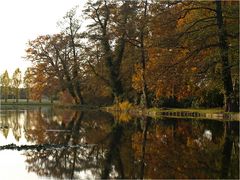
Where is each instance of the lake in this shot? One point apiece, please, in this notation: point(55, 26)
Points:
point(49, 143)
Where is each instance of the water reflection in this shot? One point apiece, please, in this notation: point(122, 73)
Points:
point(230, 151)
point(122, 147)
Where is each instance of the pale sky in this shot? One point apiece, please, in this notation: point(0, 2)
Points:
point(24, 20)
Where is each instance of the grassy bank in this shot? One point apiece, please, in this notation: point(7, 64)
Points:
point(23, 102)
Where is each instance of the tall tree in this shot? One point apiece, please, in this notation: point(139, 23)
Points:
point(139, 41)
point(215, 26)
point(204, 44)
point(109, 28)
point(27, 79)
point(16, 81)
point(50, 54)
point(70, 27)
point(230, 99)
point(5, 81)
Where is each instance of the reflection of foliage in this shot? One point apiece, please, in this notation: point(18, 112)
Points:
point(140, 148)
point(11, 121)
point(121, 116)
point(65, 163)
point(180, 150)
point(61, 163)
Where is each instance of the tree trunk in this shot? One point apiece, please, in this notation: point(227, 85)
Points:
point(75, 73)
point(17, 95)
point(5, 94)
point(227, 152)
point(51, 99)
point(143, 59)
point(113, 150)
point(79, 94)
point(146, 121)
point(113, 60)
point(230, 100)
point(27, 95)
point(73, 93)
point(113, 69)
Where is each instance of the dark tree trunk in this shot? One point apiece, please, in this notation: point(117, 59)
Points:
point(75, 73)
point(113, 152)
point(113, 66)
point(144, 142)
point(227, 152)
point(230, 100)
point(51, 99)
point(143, 59)
point(80, 97)
point(114, 59)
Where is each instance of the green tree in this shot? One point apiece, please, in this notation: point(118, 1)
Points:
point(16, 81)
point(27, 82)
point(5, 81)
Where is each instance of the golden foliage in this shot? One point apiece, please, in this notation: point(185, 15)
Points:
point(125, 106)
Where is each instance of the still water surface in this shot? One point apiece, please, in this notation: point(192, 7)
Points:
point(100, 145)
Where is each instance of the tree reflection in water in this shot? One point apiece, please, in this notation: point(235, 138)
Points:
point(124, 147)
point(230, 151)
point(182, 149)
point(66, 163)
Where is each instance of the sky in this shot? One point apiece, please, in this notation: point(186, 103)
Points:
point(24, 20)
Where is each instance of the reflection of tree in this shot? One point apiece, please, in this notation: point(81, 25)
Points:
point(67, 163)
point(230, 159)
point(181, 150)
point(138, 148)
point(59, 162)
point(144, 142)
point(15, 124)
point(113, 153)
point(11, 121)
point(5, 124)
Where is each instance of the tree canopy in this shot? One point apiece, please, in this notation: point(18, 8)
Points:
point(146, 52)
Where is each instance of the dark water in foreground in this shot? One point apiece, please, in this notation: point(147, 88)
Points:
point(100, 145)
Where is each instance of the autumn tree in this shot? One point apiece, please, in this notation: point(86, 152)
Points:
point(70, 27)
point(16, 81)
point(230, 99)
point(208, 31)
point(138, 40)
point(149, 49)
point(57, 58)
point(158, 53)
point(108, 28)
point(5, 82)
point(50, 58)
point(184, 49)
point(27, 82)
